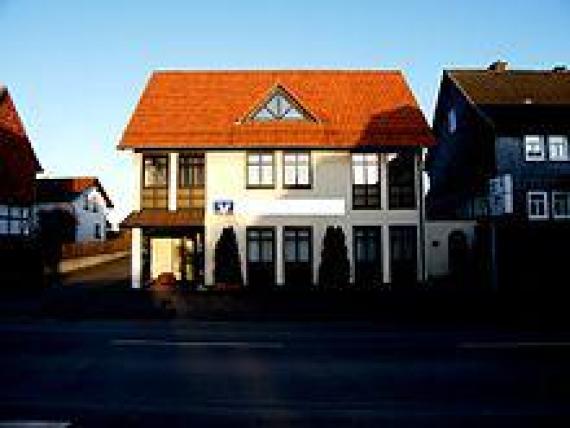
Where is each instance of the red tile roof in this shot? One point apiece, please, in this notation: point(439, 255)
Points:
point(18, 162)
point(206, 109)
point(67, 189)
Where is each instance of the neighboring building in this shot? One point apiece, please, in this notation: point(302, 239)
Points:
point(502, 160)
point(279, 156)
point(82, 197)
point(18, 168)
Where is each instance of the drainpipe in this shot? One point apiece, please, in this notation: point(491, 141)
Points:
point(422, 216)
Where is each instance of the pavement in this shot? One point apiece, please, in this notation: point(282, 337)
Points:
point(279, 374)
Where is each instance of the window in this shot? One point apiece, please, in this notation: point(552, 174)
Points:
point(95, 208)
point(86, 202)
point(297, 170)
point(97, 231)
point(260, 170)
point(558, 148)
point(156, 171)
point(279, 107)
point(14, 220)
point(534, 147)
point(367, 254)
point(365, 181)
point(297, 244)
point(561, 204)
point(401, 181)
point(260, 245)
point(537, 205)
point(451, 120)
point(191, 171)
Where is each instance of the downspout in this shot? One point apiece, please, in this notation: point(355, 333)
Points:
point(422, 215)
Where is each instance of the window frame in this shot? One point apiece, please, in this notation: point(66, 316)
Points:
point(296, 230)
point(541, 141)
point(10, 217)
point(366, 187)
point(544, 196)
point(451, 120)
point(553, 205)
point(563, 140)
point(296, 164)
point(260, 154)
point(193, 161)
point(155, 157)
point(259, 243)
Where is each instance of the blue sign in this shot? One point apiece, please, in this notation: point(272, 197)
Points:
point(224, 207)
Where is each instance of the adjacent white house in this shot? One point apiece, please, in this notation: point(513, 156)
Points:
point(82, 197)
point(278, 156)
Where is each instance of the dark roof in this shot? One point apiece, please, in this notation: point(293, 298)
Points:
point(514, 87)
point(164, 218)
point(206, 109)
point(67, 189)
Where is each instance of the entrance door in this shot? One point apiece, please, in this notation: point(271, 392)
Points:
point(403, 254)
point(367, 255)
point(191, 257)
point(260, 257)
point(298, 257)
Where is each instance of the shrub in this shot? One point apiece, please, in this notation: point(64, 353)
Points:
point(227, 264)
point(334, 270)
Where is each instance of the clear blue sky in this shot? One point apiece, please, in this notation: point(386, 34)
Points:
point(77, 68)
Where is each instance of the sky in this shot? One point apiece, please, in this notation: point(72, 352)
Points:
point(76, 69)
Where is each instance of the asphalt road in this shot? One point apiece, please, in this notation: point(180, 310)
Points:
point(189, 373)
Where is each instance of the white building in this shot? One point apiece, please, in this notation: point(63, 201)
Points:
point(279, 156)
point(84, 198)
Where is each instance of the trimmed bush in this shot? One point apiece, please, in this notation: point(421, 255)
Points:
point(227, 264)
point(334, 270)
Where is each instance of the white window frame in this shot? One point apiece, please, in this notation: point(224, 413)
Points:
point(544, 196)
point(554, 214)
point(540, 141)
point(562, 139)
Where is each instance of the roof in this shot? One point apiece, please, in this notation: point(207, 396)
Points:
point(12, 128)
point(210, 109)
point(164, 218)
point(68, 188)
point(514, 87)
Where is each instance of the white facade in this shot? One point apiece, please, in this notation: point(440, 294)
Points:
point(90, 210)
point(328, 202)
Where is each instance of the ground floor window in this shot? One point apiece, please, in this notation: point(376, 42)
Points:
point(561, 204)
point(367, 253)
point(14, 220)
point(537, 205)
point(260, 256)
point(297, 256)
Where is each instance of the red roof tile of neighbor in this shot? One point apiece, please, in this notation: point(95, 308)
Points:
point(67, 189)
point(18, 162)
point(209, 109)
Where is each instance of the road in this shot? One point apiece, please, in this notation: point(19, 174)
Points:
point(184, 373)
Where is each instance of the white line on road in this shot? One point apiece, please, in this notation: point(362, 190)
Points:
point(512, 345)
point(198, 344)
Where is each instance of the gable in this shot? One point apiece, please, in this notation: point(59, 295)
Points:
point(280, 105)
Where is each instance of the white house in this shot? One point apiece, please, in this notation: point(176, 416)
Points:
point(83, 197)
point(279, 156)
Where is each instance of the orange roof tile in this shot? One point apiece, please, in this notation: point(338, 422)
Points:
point(206, 109)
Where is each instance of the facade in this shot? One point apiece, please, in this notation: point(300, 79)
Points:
point(84, 198)
point(502, 161)
point(278, 156)
point(18, 168)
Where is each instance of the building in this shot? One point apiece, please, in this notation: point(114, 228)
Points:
point(18, 168)
point(502, 162)
point(84, 198)
point(279, 156)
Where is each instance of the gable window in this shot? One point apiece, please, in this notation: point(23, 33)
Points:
point(260, 167)
point(297, 170)
point(537, 206)
point(366, 181)
point(534, 147)
point(451, 120)
point(561, 204)
point(279, 107)
point(558, 148)
point(155, 182)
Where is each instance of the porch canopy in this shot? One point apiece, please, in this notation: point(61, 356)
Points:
point(164, 218)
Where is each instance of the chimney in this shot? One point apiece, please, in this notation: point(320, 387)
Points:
point(499, 66)
point(559, 68)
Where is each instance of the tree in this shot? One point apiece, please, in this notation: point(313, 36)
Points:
point(334, 270)
point(227, 264)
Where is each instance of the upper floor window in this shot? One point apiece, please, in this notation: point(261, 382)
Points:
point(401, 181)
point(260, 167)
point(558, 147)
point(366, 181)
point(97, 233)
point(451, 120)
point(155, 171)
point(94, 208)
point(561, 204)
point(191, 171)
point(297, 170)
point(537, 205)
point(86, 202)
point(534, 147)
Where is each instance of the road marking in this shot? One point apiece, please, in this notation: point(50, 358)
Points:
point(513, 345)
point(198, 344)
point(34, 424)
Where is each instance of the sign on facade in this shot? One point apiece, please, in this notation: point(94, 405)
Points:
point(224, 207)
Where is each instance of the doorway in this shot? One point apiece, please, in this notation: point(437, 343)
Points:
point(260, 257)
point(298, 257)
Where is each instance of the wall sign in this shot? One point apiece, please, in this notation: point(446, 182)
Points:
point(224, 207)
